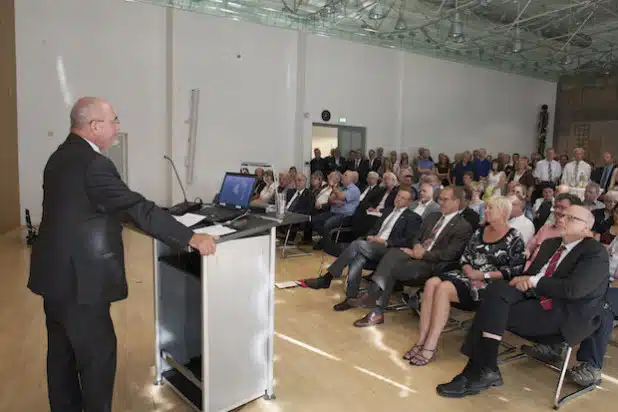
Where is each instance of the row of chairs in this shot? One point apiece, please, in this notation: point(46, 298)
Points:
point(509, 353)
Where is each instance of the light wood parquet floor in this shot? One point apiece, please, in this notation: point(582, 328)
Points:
point(322, 362)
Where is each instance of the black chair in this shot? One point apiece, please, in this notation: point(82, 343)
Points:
point(553, 340)
point(289, 244)
point(335, 249)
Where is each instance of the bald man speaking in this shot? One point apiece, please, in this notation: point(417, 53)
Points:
point(77, 262)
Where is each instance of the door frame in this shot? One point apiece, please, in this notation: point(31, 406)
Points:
point(361, 129)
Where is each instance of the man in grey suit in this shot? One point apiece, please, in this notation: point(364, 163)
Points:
point(425, 205)
point(397, 228)
point(443, 238)
point(77, 262)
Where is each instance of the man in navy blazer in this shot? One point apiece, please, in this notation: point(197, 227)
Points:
point(397, 228)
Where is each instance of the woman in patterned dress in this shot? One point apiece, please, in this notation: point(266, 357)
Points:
point(495, 251)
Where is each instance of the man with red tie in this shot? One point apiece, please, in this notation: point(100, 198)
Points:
point(561, 294)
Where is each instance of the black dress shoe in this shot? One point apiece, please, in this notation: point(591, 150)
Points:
point(341, 306)
point(489, 378)
point(457, 388)
point(322, 282)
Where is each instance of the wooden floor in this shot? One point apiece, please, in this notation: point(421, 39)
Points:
point(322, 362)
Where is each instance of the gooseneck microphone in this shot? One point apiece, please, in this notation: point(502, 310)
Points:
point(185, 206)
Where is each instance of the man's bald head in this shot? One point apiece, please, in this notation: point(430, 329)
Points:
point(94, 119)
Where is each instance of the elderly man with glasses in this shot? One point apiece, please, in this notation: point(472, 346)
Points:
point(561, 294)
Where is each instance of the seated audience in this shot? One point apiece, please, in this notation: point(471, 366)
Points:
point(385, 166)
point(389, 183)
point(468, 178)
point(397, 228)
point(425, 205)
point(603, 217)
point(441, 241)
point(268, 190)
point(551, 230)
point(343, 203)
point(494, 252)
point(443, 170)
point(371, 189)
point(403, 168)
point(476, 203)
point(260, 184)
point(471, 216)
point(518, 220)
point(292, 178)
point(496, 179)
point(591, 196)
point(463, 164)
point(609, 231)
point(547, 196)
point(285, 183)
point(561, 294)
point(300, 200)
point(322, 190)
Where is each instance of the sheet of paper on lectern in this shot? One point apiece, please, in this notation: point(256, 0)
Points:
point(215, 230)
point(189, 219)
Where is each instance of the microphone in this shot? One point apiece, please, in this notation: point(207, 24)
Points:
point(185, 206)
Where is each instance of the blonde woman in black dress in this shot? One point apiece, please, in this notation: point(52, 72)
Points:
point(495, 251)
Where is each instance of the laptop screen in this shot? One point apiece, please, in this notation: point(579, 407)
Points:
point(236, 190)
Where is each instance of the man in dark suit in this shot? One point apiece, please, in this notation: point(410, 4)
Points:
point(561, 294)
point(603, 174)
point(77, 262)
point(359, 165)
point(299, 201)
point(397, 228)
point(335, 162)
point(318, 163)
point(441, 241)
point(374, 162)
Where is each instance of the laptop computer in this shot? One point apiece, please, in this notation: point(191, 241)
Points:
point(233, 199)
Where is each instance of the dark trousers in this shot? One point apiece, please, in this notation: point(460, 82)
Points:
point(354, 258)
point(398, 266)
point(81, 356)
point(505, 308)
point(326, 222)
point(593, 349)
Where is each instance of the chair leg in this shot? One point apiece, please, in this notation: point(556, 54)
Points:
point(558, 401)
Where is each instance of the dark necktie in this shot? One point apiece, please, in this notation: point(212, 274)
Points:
point(546, 303)
point(549, 174)
point(604, 177)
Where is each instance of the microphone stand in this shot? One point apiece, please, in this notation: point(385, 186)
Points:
point(185, 206)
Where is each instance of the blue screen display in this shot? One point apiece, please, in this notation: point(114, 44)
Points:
point(236, 190)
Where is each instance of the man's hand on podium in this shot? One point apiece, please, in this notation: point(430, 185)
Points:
point(205, 244)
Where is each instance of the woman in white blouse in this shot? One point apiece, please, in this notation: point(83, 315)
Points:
point(321, 189)
point(269, 190)
point(403, 168)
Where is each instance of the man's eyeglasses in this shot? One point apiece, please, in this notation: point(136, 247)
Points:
point(571, 218)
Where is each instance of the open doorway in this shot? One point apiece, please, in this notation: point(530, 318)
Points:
point(327, 137)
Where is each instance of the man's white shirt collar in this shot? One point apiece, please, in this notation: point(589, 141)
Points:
point(94, 146)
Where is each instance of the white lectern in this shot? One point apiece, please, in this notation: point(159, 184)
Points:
point(214, 317)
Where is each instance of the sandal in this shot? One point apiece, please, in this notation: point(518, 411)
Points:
point(413, 352)
point(421, 360)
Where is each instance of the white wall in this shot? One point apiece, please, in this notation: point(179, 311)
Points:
point(354, 81)
point(450, 107)
point(261, 89)
point(247, 80)
point(66, 49)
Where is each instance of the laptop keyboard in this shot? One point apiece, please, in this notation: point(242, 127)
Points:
point(217, 214)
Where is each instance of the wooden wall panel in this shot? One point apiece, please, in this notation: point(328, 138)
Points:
point(587, 115)
point(9, 168)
